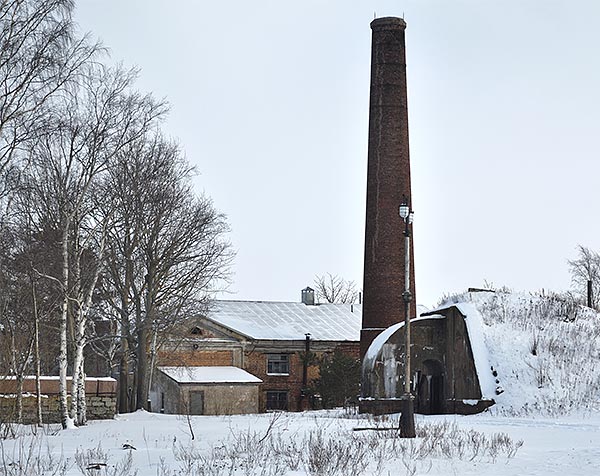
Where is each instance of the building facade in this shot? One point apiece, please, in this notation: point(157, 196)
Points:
point(279, 343)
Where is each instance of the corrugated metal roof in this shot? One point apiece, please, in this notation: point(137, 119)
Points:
point(289, 320)
point(209, 375)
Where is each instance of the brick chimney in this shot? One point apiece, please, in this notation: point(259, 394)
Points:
point(388, 179)
point(308, 296)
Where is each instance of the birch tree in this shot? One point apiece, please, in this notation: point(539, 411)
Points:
point(86, 130)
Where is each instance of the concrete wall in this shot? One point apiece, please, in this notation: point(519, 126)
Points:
point(218, 399)
point(443, 371)
point(225, 399)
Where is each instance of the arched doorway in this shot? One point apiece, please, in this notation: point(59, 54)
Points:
point(430, 388)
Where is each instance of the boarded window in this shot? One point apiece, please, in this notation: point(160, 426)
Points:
point(277, 400)
point(278, 364)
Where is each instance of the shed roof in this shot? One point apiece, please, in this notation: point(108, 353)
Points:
point(209, 375)
point(289, 320)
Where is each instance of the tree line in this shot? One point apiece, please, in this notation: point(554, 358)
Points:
point(104, 246)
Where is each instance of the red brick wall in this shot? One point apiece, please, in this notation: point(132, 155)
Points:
point(388, 179)
point(256, 364)
point(196, 358)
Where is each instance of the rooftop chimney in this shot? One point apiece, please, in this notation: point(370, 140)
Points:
point(308, 296)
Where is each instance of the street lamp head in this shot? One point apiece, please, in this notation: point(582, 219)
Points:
point(404, 208)
point(411, 216)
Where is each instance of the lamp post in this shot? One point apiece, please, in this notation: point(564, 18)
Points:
point(407, 417)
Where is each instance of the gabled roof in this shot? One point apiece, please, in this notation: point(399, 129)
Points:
point(209, 375)
point(262, 320)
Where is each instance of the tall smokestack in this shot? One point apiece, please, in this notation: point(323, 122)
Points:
point(388, 180)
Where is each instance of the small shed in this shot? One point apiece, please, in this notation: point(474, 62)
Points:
point(204, 391)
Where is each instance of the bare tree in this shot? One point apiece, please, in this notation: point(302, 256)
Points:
point(335, 289)
point(167, 253)
point(17, 337)
point(586, 269)
point(39, 54)
point(86, 130)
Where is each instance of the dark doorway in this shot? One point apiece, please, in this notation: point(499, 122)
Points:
point(196, 403)
point(430, 388)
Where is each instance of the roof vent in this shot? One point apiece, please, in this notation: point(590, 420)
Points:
point(308, 296)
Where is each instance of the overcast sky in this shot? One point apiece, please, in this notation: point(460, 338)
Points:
point(270, 102)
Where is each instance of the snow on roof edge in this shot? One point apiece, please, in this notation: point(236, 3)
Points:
point(481, 358)
point(383, 337)
point(209, 374)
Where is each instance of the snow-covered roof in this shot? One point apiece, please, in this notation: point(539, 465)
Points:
point(289, 320)
point(209, 375)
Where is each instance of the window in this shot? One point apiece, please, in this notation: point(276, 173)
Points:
point(278, 364)
point(277, 400)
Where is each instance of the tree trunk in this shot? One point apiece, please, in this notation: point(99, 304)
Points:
point(124, 401)
point(81, 401)
point(77, 366)
point(65, 419)
point(20, 398)
point(36, 343)
point(124, 376)
point(142, 366)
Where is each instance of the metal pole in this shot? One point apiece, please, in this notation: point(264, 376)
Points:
point(407, 417)
point(406, 296)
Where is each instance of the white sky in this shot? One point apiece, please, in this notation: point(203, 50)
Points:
point(270, 102)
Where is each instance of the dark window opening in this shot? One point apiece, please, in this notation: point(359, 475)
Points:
point(196, 331)
point(277, 400)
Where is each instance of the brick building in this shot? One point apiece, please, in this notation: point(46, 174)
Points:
point(269, 341)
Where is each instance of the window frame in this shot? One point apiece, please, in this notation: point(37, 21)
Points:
point(284, 363)
point(282, 404)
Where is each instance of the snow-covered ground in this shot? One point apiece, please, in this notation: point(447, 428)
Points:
point(312, 443)
point(544, 351)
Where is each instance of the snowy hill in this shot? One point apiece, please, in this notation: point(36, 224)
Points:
point(544, 348)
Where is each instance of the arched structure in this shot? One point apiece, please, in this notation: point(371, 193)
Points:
point(450, 370)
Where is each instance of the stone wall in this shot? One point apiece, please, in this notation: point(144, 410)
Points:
point(101, 399)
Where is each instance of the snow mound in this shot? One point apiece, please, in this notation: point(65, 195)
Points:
point(543, 349)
